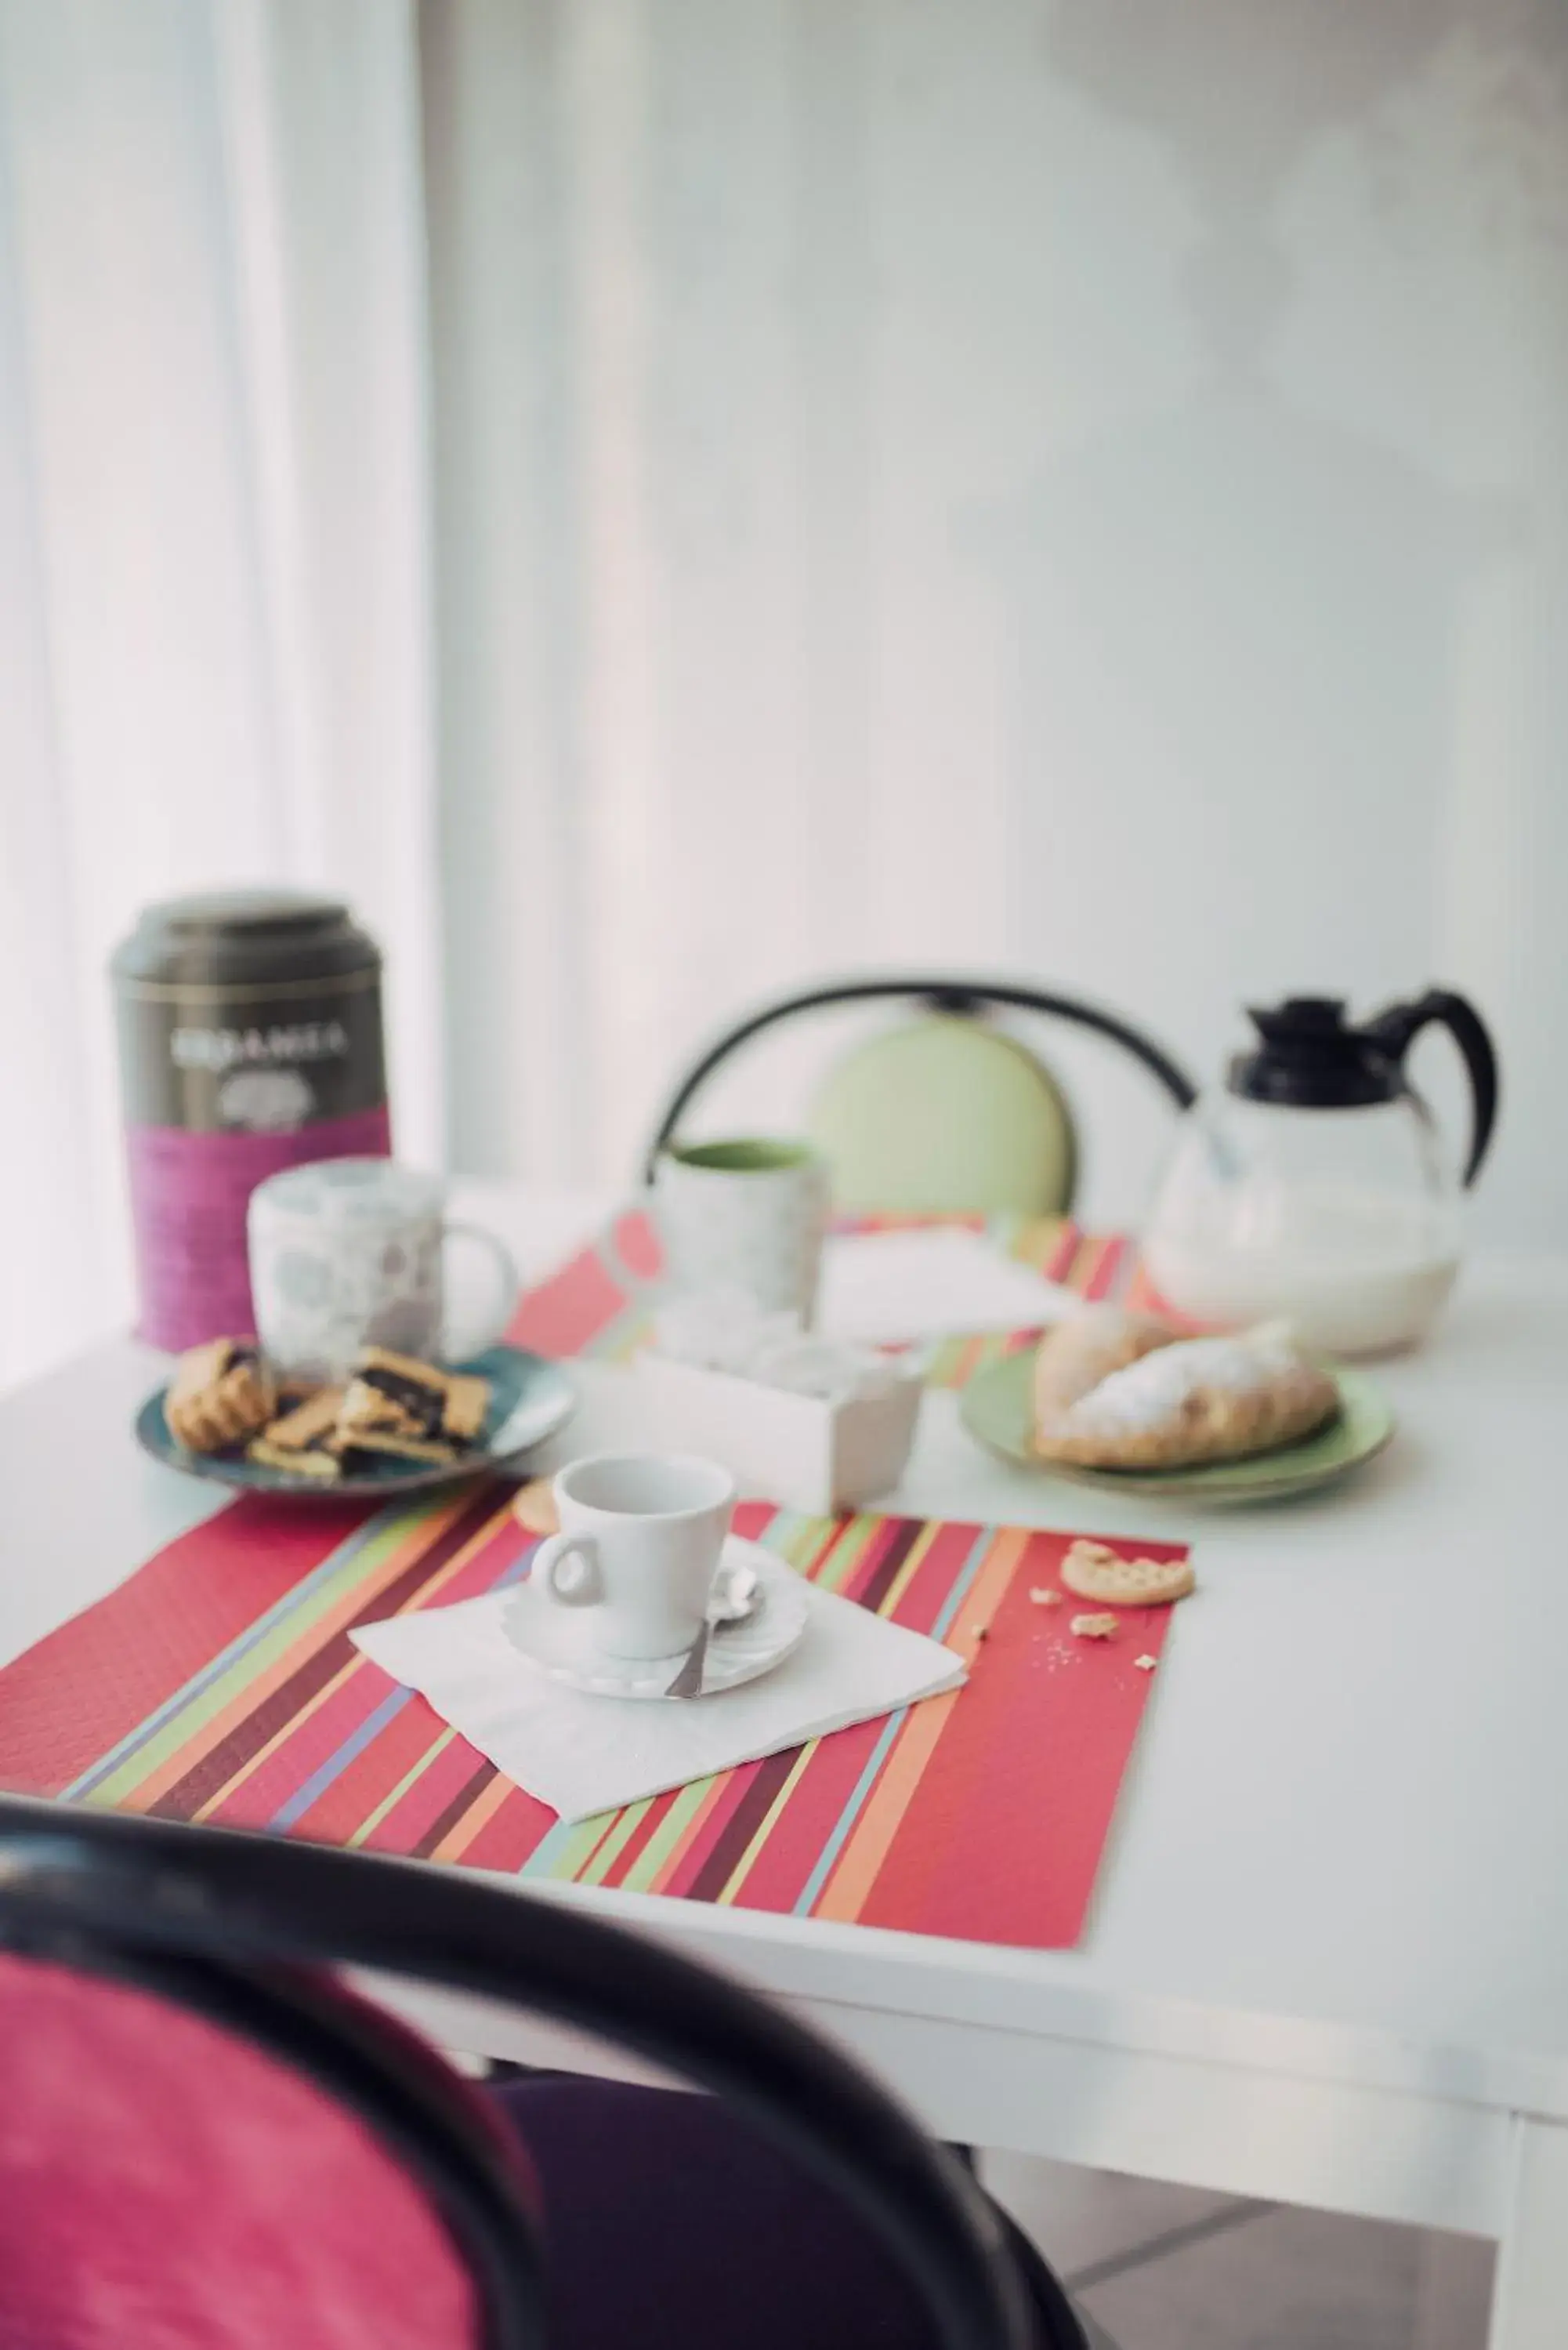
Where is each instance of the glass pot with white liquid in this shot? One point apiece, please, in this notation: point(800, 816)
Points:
point(1313, 1182)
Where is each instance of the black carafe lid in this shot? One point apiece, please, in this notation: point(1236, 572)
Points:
point(1308, 1057)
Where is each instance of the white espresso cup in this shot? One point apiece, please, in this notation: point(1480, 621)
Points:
point(350, 1252)
point(642, 1535)
point(745, 1218)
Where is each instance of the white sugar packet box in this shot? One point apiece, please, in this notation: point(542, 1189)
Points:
point(816, 1426)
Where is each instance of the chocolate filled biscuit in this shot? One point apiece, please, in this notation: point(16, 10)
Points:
point(396, 1398)
point(397, 1447)
point(308, 1423)
point(316, 1462)
point(303, 1441)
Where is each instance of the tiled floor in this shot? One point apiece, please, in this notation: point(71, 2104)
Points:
point(1171, 2268)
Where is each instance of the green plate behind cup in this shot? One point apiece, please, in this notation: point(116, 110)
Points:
point(997, 1408)
point(530, 1398)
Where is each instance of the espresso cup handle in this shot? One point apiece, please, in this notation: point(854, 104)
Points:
point(457, 1344)
point(552, 1553)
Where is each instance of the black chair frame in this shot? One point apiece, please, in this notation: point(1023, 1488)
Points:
point(958, 997)
point(230, 1924)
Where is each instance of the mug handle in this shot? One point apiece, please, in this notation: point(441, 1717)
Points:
point(457, 1346)
point(552, 1553)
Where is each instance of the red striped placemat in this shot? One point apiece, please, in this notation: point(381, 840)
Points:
point(218, 1683)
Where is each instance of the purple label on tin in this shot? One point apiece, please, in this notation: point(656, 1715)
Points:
point(189, 1193)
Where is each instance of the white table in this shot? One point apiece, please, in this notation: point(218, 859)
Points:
point(1327, 1961)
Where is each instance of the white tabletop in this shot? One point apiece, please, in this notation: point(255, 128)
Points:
point(1338, 1854)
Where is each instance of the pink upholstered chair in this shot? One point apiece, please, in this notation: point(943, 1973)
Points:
point(206, 2143)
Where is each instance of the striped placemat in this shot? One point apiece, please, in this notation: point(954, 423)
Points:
point(601, 1303)
point(218, 1683)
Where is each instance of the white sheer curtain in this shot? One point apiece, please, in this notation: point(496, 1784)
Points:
point(213, 547)
point(1080, 488)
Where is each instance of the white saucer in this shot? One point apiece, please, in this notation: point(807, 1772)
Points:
point(559, 1640)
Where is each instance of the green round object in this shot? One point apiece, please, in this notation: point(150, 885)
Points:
point(945, 1117)
point(998, 1407)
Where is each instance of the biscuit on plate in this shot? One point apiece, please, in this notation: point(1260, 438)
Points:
point(302, 1441)
point(220, 1394)
point(394, 1397)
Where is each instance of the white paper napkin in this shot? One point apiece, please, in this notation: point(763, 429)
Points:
point(882, 1287)
point(583, 1755)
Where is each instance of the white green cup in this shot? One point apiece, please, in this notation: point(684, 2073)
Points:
point(744, 1217)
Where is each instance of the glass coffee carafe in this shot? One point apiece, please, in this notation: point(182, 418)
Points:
point(1315, 1184)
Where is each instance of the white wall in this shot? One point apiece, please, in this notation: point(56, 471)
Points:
point(1079, 488)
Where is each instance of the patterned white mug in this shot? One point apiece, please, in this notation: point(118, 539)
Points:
point(348, 1253)
point(744, 1217)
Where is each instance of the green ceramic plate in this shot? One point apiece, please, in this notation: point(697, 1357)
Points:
point(529, 1399)
point(996, 1407)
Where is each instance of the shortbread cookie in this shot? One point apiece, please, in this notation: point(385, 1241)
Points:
point(394, 1396)
point(315, 1461)
point(533, 1507)
point(1126, 1582)
point(467, 1401)
point(303, 1441)
point(308, 1424)
point(221, 1393)
point(1132, 1393)
point(397, 1448)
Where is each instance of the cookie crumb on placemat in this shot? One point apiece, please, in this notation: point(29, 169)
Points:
point(1095, 1627)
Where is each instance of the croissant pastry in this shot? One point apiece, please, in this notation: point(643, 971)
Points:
point(1114, 1391)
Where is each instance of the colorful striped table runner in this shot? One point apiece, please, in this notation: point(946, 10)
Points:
point(601, 1304)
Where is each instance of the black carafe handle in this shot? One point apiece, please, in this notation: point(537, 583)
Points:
point(1397, 1029)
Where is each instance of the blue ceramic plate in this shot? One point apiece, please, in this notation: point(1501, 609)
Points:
point(529, 1400)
